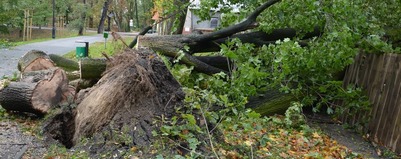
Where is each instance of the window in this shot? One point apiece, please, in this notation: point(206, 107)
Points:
point(214, 22)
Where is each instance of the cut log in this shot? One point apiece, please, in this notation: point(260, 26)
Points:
point(85, 68)
point(36, 95)
point(270, 103)
point(67, 64)
point(92, 68)
point(34, 60)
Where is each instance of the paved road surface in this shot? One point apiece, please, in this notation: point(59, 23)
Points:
point(13, 143)
point(9, 57)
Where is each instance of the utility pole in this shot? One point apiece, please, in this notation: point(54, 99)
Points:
point(54, 21)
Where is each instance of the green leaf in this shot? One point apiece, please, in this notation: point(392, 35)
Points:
point(193, 143)
point(190, 118)
point(253, 114)
point(231, 55)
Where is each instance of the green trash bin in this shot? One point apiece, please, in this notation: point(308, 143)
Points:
point(81, 52)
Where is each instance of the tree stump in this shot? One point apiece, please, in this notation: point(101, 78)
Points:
point(142, 89)
point(136, 88)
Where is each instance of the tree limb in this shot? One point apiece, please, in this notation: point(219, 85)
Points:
point(143, 32)
point(249, 23)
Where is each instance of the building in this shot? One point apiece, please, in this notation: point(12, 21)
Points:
point(193, 23)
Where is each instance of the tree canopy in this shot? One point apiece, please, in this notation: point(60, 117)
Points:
point(310, 72)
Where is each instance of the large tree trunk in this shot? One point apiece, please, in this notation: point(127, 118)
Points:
point(36, 92)
point(89, 68)
point(85, 68)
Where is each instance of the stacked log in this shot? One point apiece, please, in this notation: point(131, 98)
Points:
point(42, 85)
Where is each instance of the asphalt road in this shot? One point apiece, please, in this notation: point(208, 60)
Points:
point(9, 57)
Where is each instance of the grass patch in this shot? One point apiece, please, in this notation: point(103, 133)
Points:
point(65, 34)
point(96, 49)
point(38, 35)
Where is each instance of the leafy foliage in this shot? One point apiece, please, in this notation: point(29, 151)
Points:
point(310, 73)
point(4, 43)
point(215, 117)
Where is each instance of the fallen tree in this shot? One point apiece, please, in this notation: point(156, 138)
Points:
point(142, 89)
point(137, 87)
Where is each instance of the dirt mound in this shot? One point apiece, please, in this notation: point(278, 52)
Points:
point(119, 110)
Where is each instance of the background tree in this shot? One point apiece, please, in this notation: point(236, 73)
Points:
point(173, 10)
point(78, 16)
point(103, 16)
point(10, 15)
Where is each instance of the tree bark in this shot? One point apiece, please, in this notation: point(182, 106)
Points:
point(175, 43)
point(67, 64)
point(100, 28)
point(271, 102)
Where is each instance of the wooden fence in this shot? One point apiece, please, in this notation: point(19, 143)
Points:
point(379, 76)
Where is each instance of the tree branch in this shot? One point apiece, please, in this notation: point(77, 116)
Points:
point(258, 38)
point(249, 23)
point(143, 32)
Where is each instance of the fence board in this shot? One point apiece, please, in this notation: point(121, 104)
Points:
point(380, 76)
